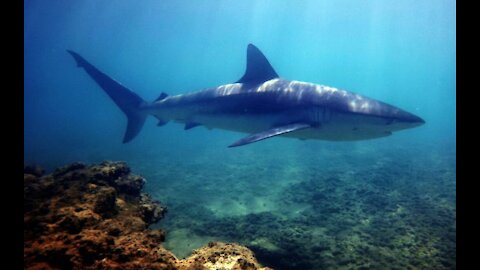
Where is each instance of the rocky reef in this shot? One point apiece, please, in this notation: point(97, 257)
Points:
point(96, 217)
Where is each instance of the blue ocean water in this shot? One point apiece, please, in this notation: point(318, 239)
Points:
point(297, 204)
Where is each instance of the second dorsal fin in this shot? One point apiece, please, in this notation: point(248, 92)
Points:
point(161, 97)
point(258, 69)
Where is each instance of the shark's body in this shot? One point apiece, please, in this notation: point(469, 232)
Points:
point(263, 105)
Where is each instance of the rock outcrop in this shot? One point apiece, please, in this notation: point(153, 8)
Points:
point(96, 217)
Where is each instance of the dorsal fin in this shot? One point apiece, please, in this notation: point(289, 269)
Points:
point(258, 69)
point(162, 96)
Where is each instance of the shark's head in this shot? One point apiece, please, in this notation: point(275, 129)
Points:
point(358, 117)
point(383, 119)
point(389, 118)
point(369, 125)
point(399, 119)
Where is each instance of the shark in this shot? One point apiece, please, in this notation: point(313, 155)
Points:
point(262, 105)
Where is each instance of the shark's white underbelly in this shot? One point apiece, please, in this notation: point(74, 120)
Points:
point(339, 127)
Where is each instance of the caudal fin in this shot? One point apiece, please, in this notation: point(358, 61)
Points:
point(129, 102)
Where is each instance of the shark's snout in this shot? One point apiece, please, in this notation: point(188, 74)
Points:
point(404, 120)
point(397, 115)
point(411, 118)
point(419, 120)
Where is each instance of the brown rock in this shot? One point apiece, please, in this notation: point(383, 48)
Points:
point(68, 168)
point(151, 211)
point(105, 201)
point(218, 255)
point(95, 217)
point(130, 185)
point(110, 171)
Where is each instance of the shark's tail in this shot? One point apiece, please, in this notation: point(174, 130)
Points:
point(129, 102)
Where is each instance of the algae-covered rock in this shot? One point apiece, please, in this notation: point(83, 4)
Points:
point(218, 255)
point(95, 217)
point(151, 211)
point(130, 185)
point(79, 217)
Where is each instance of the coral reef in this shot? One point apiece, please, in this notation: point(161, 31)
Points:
point(96, 217)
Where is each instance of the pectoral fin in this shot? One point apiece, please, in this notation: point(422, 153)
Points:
point(270, 133)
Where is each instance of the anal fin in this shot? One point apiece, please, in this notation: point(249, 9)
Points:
point(161, 122)
point(270, 133)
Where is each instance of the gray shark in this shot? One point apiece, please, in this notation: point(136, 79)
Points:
point(263, 105)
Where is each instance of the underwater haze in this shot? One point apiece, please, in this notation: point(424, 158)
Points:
point(387, 203)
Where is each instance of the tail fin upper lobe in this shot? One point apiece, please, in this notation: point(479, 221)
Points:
point(129, 102)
